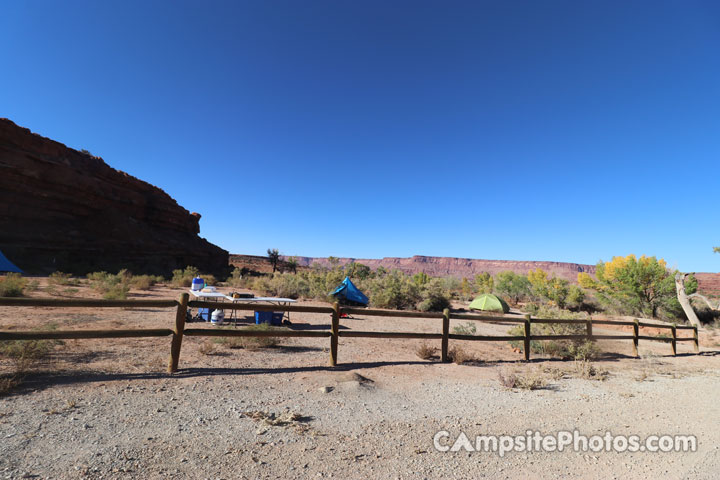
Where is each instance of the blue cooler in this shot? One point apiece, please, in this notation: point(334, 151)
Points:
point(205, 314)
point(273, 318)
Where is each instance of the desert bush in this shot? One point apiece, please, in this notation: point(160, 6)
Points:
point(425, 351)
point(459, 356)
point(533, 379)
point(184, 278)
point(207, 348)
point(25, 353)
point(60, 278)
point(236, 278)
point(585, 369)
point(580, 349)
point(144, 282)
point(705, 314)
point(467, 328)
point(111, 286)
point(251, 343)
point(24, 356)
point(395, 291)
point(434, 297)
point(12, 285)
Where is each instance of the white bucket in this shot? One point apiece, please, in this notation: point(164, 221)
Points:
point(217, 317)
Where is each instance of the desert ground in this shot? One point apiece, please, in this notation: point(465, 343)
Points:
point(108, 409)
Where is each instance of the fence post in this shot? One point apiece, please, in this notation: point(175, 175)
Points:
point(178, 333)
point(636, 339)
point(674, 340)
point(334, 334)
point(527, 338)
point(696, 340)
point(445, 335)
point(588, 324)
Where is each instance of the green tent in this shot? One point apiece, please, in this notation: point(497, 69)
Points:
point(489, 303)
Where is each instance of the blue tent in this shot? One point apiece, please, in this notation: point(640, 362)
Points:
point(349, 292)
point(7, 266)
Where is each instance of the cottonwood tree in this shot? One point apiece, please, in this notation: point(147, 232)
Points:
point(637, 285)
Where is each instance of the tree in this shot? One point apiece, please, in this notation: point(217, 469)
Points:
point(637, 285)
point(484, 283)
point(274, 257)
point(292, 264)
point(556, 290)
point(515, 287)
point(683, 286)
point(357, 270)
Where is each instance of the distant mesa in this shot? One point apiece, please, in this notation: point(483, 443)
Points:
point(458, 267)
point(61, 209)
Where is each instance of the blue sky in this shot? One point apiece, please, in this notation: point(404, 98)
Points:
point(528, 130)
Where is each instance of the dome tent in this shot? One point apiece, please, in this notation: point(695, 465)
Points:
point(7, 266)
point(348, 293)
point(489, 303)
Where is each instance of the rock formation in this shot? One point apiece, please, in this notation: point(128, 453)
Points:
point(458, 267)
point(65, 210)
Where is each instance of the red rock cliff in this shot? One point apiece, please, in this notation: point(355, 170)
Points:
point(459, 267)
point(61, 209)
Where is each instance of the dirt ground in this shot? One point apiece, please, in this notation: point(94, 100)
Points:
point(107, 409)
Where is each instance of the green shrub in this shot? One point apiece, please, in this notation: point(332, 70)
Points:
point(468, 328)
point(60, 278)
point(577, 349)
point(236, 278)
point(144, 282)
point(434, 297)
point(112, 287)
point(12, 285)
point(395, 291)
point(184, 278)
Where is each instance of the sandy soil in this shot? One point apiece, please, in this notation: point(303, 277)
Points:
point(107, 409)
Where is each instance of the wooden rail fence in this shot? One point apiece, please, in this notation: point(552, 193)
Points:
point(335, 312)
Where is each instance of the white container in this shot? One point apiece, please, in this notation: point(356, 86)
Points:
point(217, 317)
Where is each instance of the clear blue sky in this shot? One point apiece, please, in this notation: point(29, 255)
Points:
point(531, 130)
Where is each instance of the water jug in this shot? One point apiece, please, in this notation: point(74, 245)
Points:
point(197, 284)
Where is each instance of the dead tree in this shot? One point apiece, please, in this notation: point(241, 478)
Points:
point(684, 299)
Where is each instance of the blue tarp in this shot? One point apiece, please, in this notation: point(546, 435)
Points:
point(350, 292)
point(7, 266)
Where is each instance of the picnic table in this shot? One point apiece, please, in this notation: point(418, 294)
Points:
point(210, 296)
point(266, 300)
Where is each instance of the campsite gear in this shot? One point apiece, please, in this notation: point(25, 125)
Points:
point(7, 266)
point(241, 295)
point(197, 284)
point(209, 289)
point(347, 293)
point(273, 318)
point(489, 303)
point(217, 317)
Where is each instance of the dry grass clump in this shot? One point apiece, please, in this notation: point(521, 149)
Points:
point(24, 355)
point(425, 351)
point(530, 379)
point(459, 356)
point(207, 348)
point(285, 420)
point(251, 343)
point(585, 369)
point(145, 282)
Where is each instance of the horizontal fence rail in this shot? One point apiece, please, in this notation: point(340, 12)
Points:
point(333, 329)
